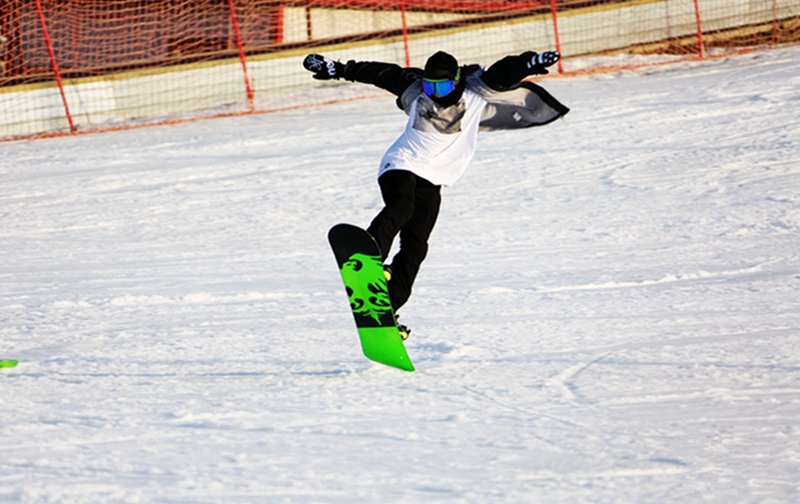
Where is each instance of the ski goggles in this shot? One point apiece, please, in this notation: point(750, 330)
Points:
point(439, 87)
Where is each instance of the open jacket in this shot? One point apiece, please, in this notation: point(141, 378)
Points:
point(439, 140)
point(511, 103)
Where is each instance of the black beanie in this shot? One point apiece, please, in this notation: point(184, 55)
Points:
point(441, 66)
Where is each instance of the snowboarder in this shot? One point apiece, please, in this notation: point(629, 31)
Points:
point(446, 105)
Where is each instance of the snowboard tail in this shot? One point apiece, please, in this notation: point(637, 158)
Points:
point(361, 268)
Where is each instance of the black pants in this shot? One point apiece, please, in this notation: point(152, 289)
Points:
point(412, 205)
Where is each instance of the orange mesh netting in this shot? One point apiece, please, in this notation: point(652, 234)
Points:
point(86, 65)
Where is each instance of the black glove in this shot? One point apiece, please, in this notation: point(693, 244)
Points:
point(323, 68)
point(538, 63)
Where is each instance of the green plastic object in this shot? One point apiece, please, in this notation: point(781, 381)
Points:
point(8, 363)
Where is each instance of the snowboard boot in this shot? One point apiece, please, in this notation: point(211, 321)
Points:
point(404, 331)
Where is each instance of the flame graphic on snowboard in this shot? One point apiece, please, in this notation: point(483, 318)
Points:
point(367, 289)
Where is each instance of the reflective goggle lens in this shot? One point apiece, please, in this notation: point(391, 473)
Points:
point(438, 88)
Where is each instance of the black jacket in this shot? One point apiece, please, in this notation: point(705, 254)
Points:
point(512, 103)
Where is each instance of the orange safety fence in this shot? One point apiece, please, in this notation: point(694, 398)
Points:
point(72, 66)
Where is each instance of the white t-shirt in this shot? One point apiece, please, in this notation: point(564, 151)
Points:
point(437, 143)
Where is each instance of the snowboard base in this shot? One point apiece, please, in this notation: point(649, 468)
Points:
point(361, 268)
point(385, 345)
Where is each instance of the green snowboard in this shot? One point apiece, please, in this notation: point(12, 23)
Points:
point(361, 268)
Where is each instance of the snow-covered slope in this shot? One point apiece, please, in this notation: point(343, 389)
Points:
point(610, 311)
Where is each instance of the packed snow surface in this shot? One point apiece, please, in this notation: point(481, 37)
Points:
point(610, 310)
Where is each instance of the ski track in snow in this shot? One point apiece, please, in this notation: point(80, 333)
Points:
point(609, 312)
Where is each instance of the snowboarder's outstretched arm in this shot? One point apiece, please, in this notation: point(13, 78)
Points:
point(505, 74)
point(388, 76)
point(508, 72)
